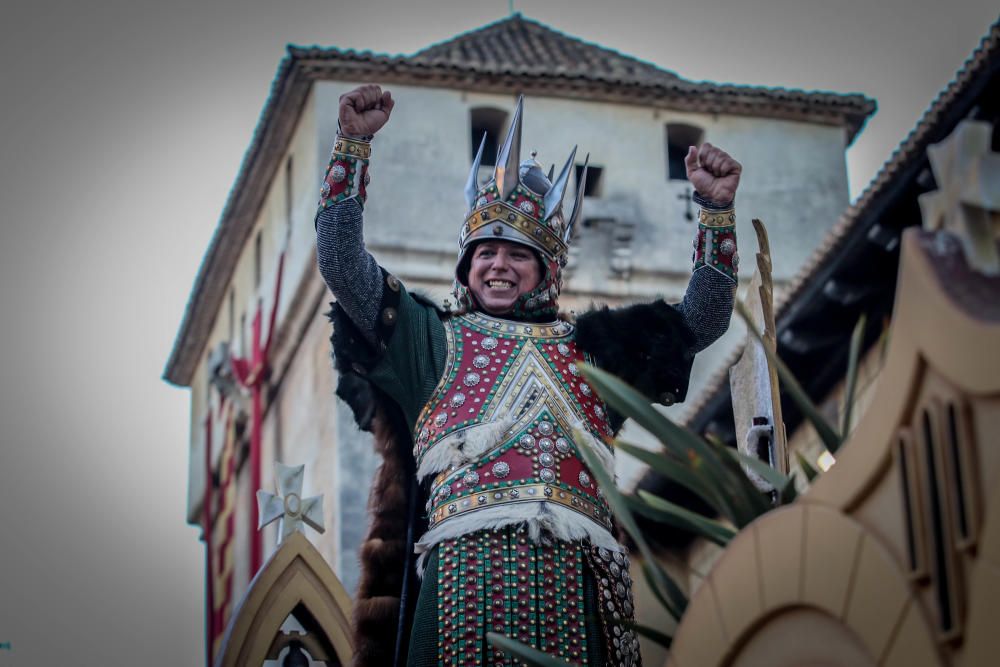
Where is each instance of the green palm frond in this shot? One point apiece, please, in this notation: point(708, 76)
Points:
point(664, 586)
point(672, 514)
point(728, 489)
point(857, 337)
point(530, 656)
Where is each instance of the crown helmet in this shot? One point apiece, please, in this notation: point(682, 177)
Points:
point(520, 204)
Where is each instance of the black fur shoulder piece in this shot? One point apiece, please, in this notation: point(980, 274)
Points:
point(648, 345)
point(353, 357)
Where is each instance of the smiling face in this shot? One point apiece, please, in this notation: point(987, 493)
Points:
point(500, 272)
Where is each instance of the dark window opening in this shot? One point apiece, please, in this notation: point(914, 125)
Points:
point(593, 186)
point(939, 538)
point(492, 123)
point(911, 533)
point(958, 478)
point(680, 137)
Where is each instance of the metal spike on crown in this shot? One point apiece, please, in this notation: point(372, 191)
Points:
point(578, 203)
point(520, 203)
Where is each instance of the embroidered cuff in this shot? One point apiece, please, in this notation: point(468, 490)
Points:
point(715, 243)
point(347, 174)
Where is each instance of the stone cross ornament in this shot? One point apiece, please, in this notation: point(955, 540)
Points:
point(967, 201)
point(288, 505)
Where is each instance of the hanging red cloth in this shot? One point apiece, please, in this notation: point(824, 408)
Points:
point(252, 374)
point(206, 521)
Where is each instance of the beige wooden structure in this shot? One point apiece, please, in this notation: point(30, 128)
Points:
point(893, 556)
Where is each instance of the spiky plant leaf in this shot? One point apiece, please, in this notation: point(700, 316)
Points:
point(650, 578)
point(672, 514)
point(664, 463)
point(530, 656)
point(857, 337)
point(809, 410)
point(770, 475)
point(701, 456)
point(807, 468)
point(784, 486)
point(670, 593)
point(883, 340)
point(788, 493)
point(750, 497)
point(661, 638)
point(671, 520)
point(630, 403)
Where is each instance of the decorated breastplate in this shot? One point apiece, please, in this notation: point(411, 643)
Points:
point(505, 424)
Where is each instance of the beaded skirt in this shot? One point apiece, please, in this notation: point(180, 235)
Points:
point(567, 599)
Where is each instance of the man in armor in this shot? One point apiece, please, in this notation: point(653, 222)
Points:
point(486, 408)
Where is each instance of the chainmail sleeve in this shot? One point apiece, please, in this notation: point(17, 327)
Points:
point(707, 306)
point(351, 273)
point(708, 302)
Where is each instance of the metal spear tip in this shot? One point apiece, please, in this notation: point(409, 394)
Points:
point(509, 156)
point(472, 184)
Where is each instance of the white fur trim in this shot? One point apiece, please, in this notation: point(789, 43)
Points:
point(463, 447)
point(545, 522)
point(584, 438)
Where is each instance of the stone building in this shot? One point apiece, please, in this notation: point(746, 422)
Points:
point(633, 118)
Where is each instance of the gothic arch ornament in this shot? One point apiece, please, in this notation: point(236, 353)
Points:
point(295, 579)
point(893, 556)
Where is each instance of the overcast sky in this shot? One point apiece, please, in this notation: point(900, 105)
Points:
point(122, 126)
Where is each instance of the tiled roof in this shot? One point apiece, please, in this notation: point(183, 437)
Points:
point(522, 46)
point(515, 54)
point(523, 55)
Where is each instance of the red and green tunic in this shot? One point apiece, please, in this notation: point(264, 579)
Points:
point(518, 529)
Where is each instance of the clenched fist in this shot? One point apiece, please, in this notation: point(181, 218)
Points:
point(713, 173)
point(364, 110)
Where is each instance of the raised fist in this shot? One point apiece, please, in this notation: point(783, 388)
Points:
point(364, 110)
point(713, 173)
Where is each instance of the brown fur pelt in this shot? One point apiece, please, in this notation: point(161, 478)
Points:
point(383, 553)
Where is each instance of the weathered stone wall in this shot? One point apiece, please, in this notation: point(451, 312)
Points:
point(795, 179)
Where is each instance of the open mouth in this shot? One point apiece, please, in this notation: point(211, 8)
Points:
point(500, 284)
